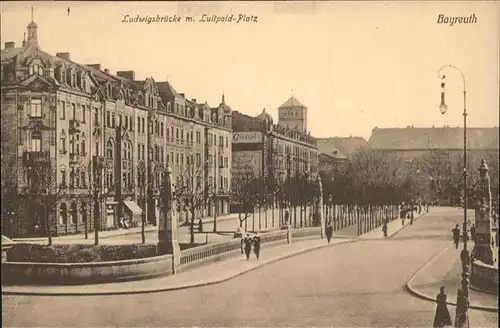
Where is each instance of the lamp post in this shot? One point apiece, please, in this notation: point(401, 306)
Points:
point(462, 317)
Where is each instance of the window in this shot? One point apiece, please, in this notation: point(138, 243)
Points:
point(73, 107)
point(109, 149)
point(221, 161)
point(182, 134)
point(108, 119)
point(63, 110)
point(72, 177)
point(198, 137)
point(226, 162)
point(96, 116)
point(131, 123)
point(182, 159)
point(168, 133)
point(119, 120)
point(36, 141)
point(63, 145)
point(36, 108)
point(63, 175)
point(161, 129)
point(225, 183)
point(143, 125)
point(96, 152)
point(177, 133)
point(198, 159)
point(177, 158)
point(36, 67)
point(227, 142)
point(139, 125)
point(83, 113)
point(83, 147)
point(113, 120)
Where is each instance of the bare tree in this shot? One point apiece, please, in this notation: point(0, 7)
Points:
point(191, 194)
point(43, 192)
point(246, 190)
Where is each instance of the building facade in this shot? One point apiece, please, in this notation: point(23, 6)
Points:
point(274, 152)
point(105, 139)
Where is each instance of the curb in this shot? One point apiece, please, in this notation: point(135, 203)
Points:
point(415, 292)
point(187, 285)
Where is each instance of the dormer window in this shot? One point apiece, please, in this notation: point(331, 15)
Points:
point(36, 67)
point(169, 107)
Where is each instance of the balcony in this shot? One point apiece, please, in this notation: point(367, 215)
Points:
point(33, 158)
point(75, 159)
point(74, 126)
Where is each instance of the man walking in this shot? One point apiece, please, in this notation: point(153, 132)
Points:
point(256, 245)
point(329, 231)
point(384, 229)
point(456, 235)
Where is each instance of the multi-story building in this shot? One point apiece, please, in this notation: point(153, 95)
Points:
point(105, 139)
point(273, 151)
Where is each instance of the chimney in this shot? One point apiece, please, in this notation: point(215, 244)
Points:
point(193, 100)
point(106, 71)
point(10, 45)
point(63, 55)
point(182, 94)
point(129, 75)
point(96, 66)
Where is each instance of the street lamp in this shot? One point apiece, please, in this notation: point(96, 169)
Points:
point(462, 317)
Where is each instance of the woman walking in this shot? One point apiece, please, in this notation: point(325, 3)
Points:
point(442, 317)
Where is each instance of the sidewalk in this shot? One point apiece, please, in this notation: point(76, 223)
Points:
point(445, 269)
point(208, 274)
point(117, 232)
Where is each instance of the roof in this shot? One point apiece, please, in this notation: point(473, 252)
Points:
point(167, 89)
point(10, 53)
point(328, 148)
point(411, 138)
point(292, 102)
point(346, 145)
point(264, 116)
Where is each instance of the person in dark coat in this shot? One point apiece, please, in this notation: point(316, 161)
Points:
point(329, 231)
point(248, 246)
point(442, 317)
point(384, 229)
point(200, 225)
point(256, 245)
point(473, 232)
point(456, 235)
point(287, 217)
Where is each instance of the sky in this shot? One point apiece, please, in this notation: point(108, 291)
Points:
point(355, 65)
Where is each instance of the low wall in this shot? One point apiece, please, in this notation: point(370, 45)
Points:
point(28, 273)
point(484, 276)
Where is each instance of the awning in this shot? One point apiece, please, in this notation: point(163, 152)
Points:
point(133, 207)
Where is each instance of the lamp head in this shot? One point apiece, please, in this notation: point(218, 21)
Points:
point(443, 108)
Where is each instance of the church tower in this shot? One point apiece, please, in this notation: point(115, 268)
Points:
point(32, 30)
point(293, 114)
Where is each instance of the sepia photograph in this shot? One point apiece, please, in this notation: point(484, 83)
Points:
point(250, 163)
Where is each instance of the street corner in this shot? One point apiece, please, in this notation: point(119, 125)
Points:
point(443, 270)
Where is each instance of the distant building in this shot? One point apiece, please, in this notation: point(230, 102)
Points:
point(412, 142)
point(293, 115)
point(346, 146)
point(273, 151)
point(331, 160)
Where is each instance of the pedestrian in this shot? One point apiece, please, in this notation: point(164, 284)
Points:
point(200, 225)
point(329, 231)
point(456, 235)
point(256, 245)
point(473, 232)
point(419, 208)
point(384, 229)
point(248, 246)
point(460, 309)
point(442, 317)
point(287, 217)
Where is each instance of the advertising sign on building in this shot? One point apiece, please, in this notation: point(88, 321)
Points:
point(247, 160)
point(247, 137)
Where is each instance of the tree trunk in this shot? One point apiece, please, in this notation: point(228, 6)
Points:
point(86, 226)
point(191, 232)
point(96, 222)
point(47, 227)
point(143, 225)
